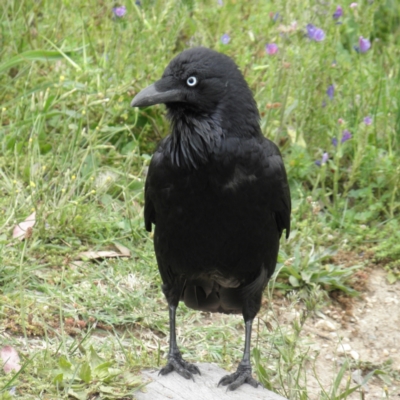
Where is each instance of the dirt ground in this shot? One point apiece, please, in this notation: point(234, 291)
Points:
point(366, 332)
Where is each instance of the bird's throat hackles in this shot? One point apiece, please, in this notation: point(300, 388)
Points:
point(193, 139)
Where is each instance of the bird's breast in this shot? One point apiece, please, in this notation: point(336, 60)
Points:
point(211, 223)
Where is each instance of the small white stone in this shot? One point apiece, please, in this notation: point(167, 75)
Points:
point(343, 348)
point(385, 352)
point(358, 378)
point(354, 355)
point(388, 300)
point(325, 325)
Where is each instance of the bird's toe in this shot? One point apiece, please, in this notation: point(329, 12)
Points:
point(182, 367)
point(227, 379)
point(192, 368)
point(241, 376)
point(237, 382)
point(166, 370)
point(251, 381)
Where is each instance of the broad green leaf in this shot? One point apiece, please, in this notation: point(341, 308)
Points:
point(64, 364)
point(391, 277)
point(85, 373)
point(294, 281)
point(81, 395)
point(58, 378)
point(101, 371)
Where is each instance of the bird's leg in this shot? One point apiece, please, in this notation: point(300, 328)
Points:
point(175, 360)
point(243, 372)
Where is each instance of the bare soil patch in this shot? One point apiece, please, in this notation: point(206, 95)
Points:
point(365, 331)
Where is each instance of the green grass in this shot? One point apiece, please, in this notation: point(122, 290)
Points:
point(72, 150)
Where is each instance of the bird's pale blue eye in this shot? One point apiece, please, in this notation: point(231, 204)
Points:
point(191, 81)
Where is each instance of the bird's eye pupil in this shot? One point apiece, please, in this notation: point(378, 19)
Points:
point(191, 81)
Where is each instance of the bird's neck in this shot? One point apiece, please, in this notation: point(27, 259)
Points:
point(193, 139)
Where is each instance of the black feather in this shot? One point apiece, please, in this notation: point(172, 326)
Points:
point(217, 193)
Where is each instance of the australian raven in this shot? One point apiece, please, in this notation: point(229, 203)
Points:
point(217, 193)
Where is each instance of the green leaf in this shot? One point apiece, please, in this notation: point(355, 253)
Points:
point(45, 148)
point(132, 379)
point(377, 372)
point(306, 276)
point(31, 55)
point(391, 277)
point(95, 359)
point(85, 373)
point(101, 371)
point(81, 395)
point(58, 378)
point(107, 389)
point(64, 364)
point(294, 281)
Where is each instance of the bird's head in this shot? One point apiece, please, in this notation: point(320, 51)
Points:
point(201, 82)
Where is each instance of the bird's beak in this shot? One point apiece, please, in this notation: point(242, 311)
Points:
point(151, 95)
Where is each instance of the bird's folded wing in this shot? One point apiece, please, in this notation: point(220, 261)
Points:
point(278, 192)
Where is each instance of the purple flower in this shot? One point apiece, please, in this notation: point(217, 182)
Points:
point(346, 135)
point(325, 158)
point(275, 17)
point(331, 91)
point(318, 163)
point(319, 35)
point(225, 38)
point(315, 33)
point(367, 120)
point(311, 30)
point(220, 3)
point(271, 48)
point(119, 11)
point(353, 5)
point(338, 13)
point(364, 44)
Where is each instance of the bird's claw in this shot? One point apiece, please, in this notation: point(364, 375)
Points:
point(182, 367)
point(238, 378)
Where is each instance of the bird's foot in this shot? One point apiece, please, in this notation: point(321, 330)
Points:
point(238, 378)
point(182, 367)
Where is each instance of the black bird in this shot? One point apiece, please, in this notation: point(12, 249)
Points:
point(217, 193)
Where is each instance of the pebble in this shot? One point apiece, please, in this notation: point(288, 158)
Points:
point(358, 378)
point(354, 355)
point(389, 300)
point(325, 325)
point(343, 348)
point(385, 352)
